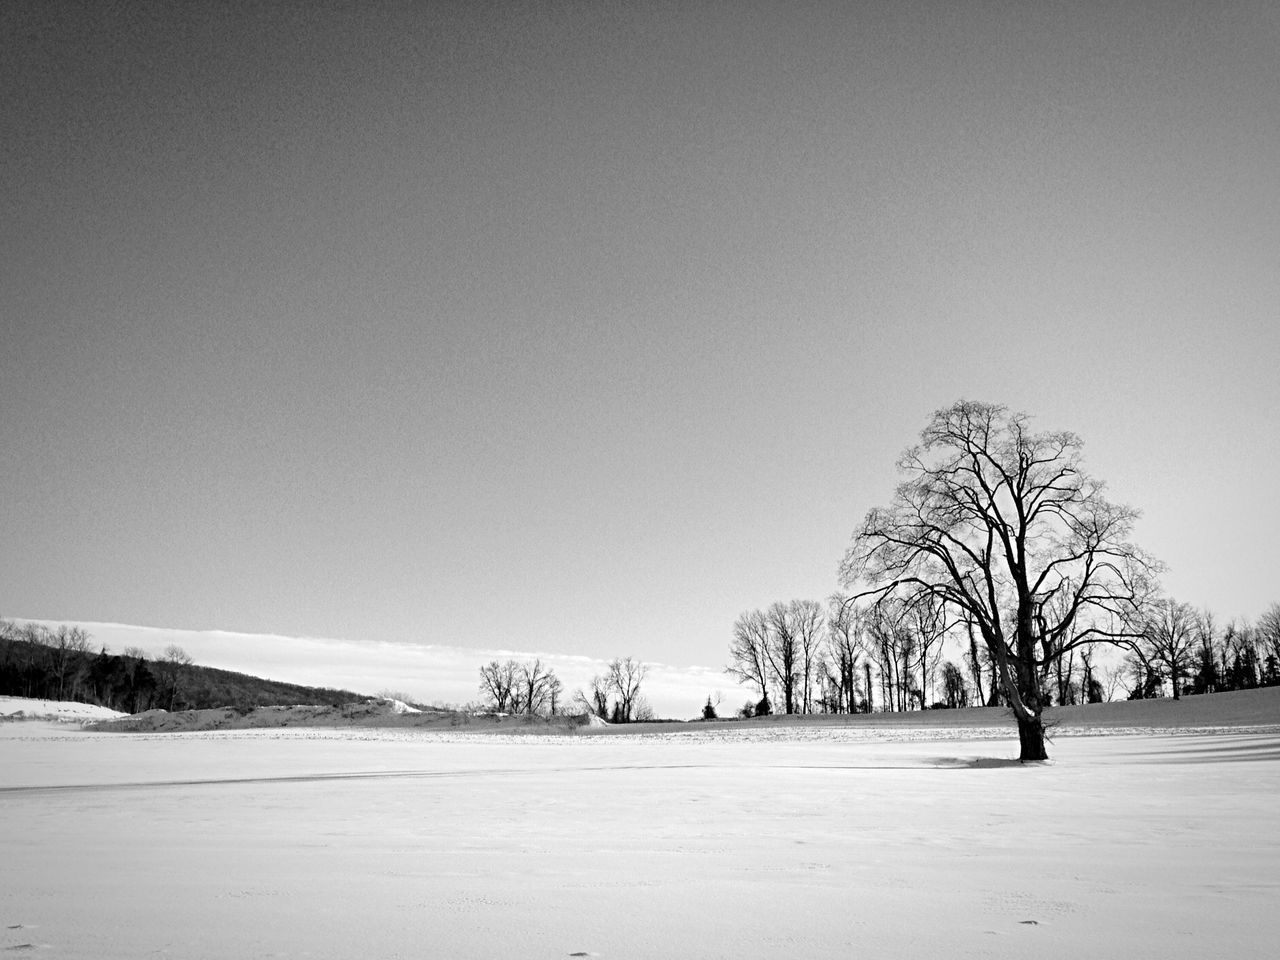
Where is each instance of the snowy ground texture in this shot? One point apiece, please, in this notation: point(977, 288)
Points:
point(750, 843)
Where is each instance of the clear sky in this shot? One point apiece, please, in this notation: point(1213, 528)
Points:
point(583, 327)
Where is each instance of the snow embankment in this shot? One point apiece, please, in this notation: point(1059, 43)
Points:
point(399, 706)
point(64, 711)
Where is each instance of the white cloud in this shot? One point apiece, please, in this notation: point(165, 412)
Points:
point(431, 673)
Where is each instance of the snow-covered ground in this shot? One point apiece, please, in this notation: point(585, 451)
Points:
point(365, 843)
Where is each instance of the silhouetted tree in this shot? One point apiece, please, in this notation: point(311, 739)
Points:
point(1167, 639)
point(748, 651)
point(953, 686)
point(783, 652)
point(844, 646)
point(625, 676)
point(997, 521)
point(498, 682)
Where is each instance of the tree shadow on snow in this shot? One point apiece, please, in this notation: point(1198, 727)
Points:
point(1264, 748)
point(980, 763)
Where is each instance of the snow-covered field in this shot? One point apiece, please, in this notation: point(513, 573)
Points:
point(714, 843)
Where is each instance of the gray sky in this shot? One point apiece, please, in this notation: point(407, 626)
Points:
point(582, 328)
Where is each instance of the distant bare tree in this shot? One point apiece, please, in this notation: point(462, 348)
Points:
point(1090, 685)
point(69, 644)
point(1168, 636)
point(535, 681)
point(625, 676)
point(498, 683)
point(844, 646)
point(974, 662)
point(783, 652)
point(807, 621)
point(1268, 629)
point(171, 668)
point(891, 642)
point(1112, 680)
point(930, 626)
point(954, 692)
point(748, 651)
point(598, 701)
point(555, 692)
point(1240, 656)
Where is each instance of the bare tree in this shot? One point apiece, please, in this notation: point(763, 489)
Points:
point(807, 621)
point(844, 646)
point(1268, 630)
point(598, 698)
point(171, 668)
point(69, 645)
point(974, 662)
point(625, 676)
point(535, 682)
point(498, 683)
point(1112, 677)
point(891, 642)
point(1240, 656)
point(954, 692)
point(783, 652)
point(1168, 639)
point(930, 625)
point(1207, 677)
point(555, 692)
point(997, 521)
point(1090, 686)
point(749, 651)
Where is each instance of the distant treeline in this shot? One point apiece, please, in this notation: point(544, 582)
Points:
point(62, 664)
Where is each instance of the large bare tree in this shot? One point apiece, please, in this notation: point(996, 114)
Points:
point(1001, 523)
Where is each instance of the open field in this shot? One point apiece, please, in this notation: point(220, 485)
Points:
point(729, 840)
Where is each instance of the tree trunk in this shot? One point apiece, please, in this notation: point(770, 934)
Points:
point(1031, 739)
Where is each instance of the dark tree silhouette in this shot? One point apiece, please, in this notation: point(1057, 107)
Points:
point(1005, 527)
point(1167, 643)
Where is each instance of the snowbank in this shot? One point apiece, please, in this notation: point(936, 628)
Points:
point(64, 711)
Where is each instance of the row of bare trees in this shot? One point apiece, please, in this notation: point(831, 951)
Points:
point(1191, 651)
point(888, 656)
point(803, 657)
point(615, 695)
point(532, 689)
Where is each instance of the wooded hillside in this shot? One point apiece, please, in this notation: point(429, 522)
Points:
point(62, 664)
